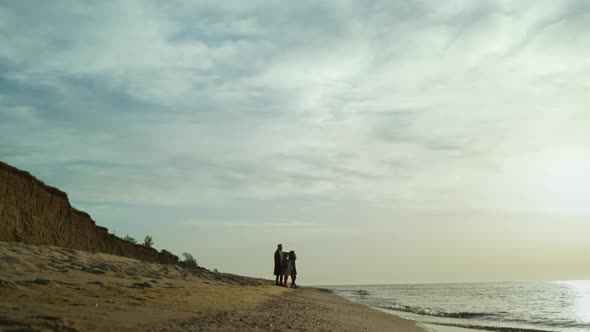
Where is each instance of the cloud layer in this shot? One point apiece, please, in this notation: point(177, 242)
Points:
point(307, 122)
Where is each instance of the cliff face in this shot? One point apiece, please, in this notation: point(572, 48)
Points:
point(34, 213)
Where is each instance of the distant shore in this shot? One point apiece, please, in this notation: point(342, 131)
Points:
point(53, 288)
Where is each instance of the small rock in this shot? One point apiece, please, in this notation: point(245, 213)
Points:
point(41, 282)
point(141, 285)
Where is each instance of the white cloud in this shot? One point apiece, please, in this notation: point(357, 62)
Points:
point(307, 107)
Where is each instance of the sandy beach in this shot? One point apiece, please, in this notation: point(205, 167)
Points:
point(45, 288)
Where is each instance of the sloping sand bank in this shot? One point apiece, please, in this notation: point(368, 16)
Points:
point(46, 288)
point(306, 309)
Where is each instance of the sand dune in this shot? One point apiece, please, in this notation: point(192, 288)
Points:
point(45, 288)
point(34, 213)
point(58, 288)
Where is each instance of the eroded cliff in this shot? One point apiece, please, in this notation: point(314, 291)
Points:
point(35, 213)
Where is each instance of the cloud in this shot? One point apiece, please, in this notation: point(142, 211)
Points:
point(233, 109)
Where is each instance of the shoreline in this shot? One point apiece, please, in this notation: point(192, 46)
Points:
point(52, 288)
point(304, 309)
point(448, 327)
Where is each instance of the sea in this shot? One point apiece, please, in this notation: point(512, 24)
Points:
point(507, 306)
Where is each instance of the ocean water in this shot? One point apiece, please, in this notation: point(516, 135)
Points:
point(533, 306)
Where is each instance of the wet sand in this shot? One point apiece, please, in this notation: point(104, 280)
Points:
point(46, 288)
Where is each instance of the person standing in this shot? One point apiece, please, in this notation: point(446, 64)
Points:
point(278, 272)
point(292, 259)
point(286, 269)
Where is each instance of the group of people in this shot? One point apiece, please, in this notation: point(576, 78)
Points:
point(285, 267)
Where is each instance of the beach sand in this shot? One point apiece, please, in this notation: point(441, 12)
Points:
point(46, 288)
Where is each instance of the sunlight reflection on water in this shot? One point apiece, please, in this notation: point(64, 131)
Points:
point(581, 290)
point(545, 306)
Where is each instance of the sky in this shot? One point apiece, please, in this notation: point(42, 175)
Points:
point(383, 141)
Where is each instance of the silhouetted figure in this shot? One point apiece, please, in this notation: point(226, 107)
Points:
point(292, 259)
point(279, 256)
point(286, 267)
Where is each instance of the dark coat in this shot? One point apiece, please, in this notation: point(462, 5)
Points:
point(278, 270)
point(292, 259)
point(286, 265)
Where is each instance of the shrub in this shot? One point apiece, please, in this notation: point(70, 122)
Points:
point(189, 260)
point(129, 239)
point(165, 252)
point(148, 242)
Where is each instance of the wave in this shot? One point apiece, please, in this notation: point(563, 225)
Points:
point(478, 315)
point(550, 324)
point(435, 313)
point(358, 292)
point(492, 328)
point(361, 292)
